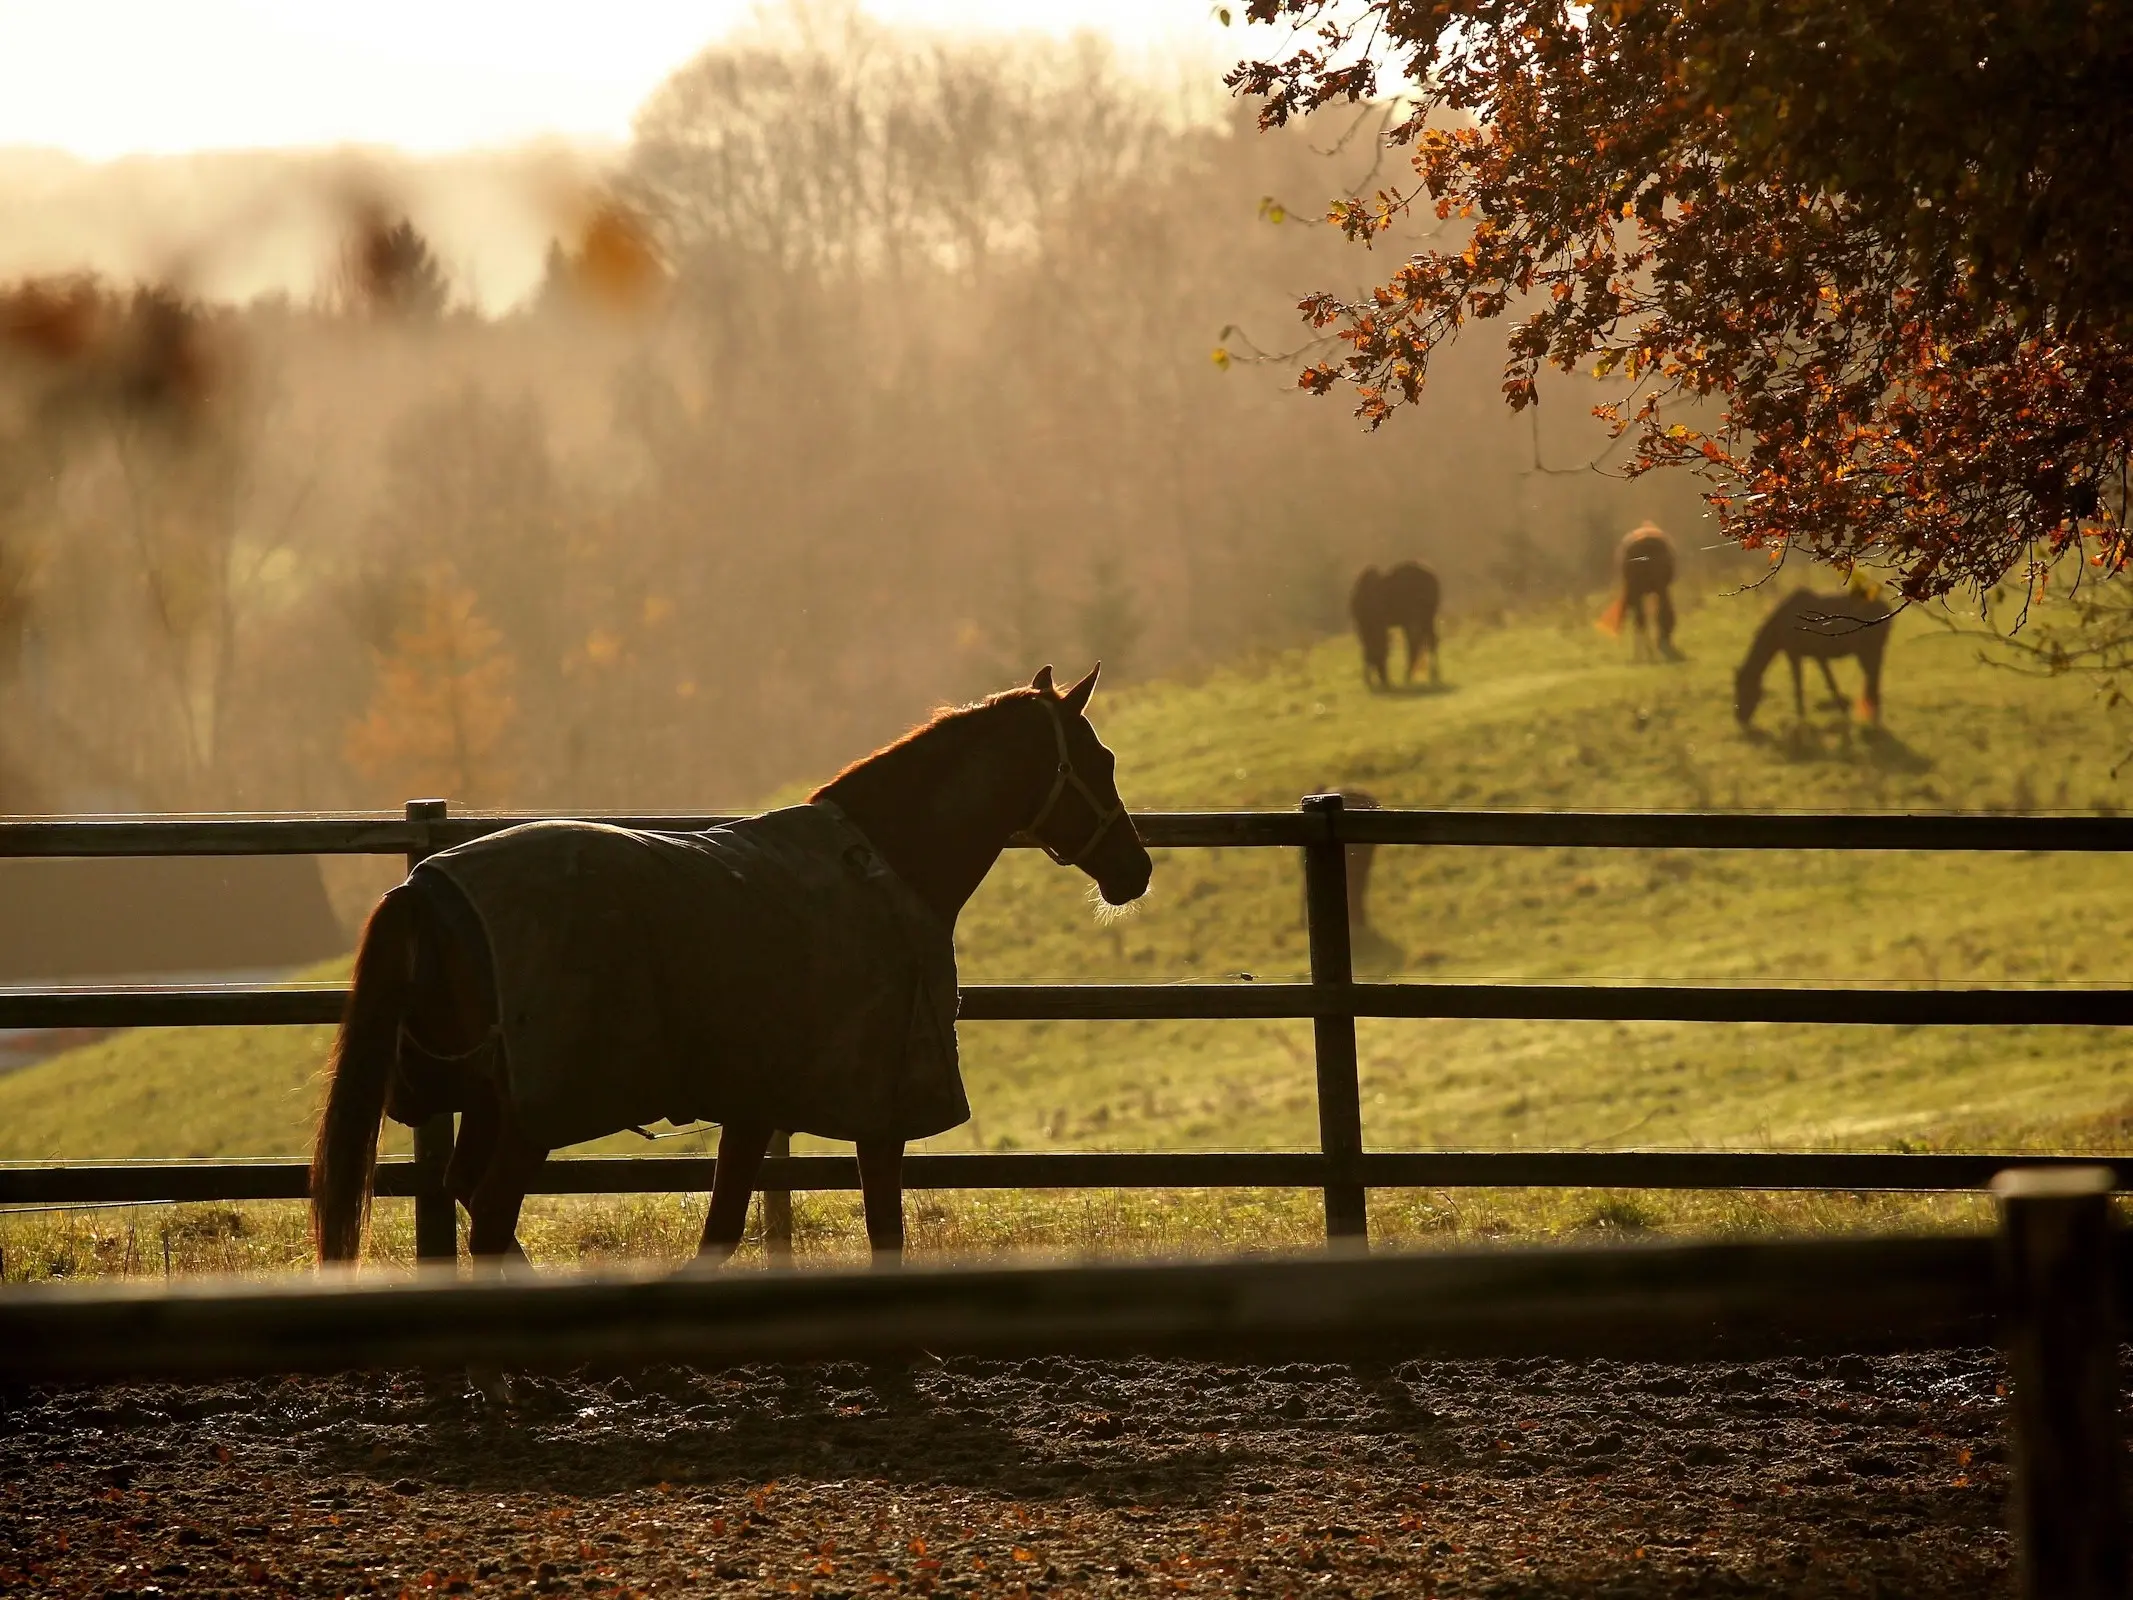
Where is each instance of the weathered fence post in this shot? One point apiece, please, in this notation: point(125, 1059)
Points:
point(1340, 1096)
point(777, 1209)
point(2062, 1345)
point(436, 1222)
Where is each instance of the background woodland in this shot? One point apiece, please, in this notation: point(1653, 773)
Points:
point(877, 371)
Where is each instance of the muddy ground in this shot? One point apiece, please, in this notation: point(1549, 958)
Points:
point(1841, 1477)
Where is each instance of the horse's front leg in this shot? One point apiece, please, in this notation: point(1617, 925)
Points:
point(881, 1185)
point(740, 1161)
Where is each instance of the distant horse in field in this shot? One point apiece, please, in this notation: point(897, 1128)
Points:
point(1806, 626)
point(560, 981)
point(1370, 948)
point(1404, 598)
point(1644, 565)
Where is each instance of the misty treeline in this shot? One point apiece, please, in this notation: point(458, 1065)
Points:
point(885, 370)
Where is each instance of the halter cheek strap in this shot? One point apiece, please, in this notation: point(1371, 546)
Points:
point(1063, 778)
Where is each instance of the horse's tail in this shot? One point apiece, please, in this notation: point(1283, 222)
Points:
point(361, 1067)
point(1610, 620)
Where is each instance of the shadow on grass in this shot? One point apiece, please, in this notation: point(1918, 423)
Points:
point(1805, 742)
point(1414, 691)
point(1373, 953)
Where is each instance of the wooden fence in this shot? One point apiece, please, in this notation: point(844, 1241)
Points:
point(1340, 1168)
point(2049, 1289)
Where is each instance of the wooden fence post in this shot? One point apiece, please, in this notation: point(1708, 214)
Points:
point(777, 1210)
point(436, 1221)
point(2055, 1250)
point(1340, 1096)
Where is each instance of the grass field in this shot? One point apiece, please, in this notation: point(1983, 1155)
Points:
point(1540, 712)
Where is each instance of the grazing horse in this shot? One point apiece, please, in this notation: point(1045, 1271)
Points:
point(1404, 598)
point(1645, 565)
point(1818, 628)
point(536, 980)
point(1370, 948)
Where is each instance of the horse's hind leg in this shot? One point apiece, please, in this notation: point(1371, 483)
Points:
point(740, 1160)
point(881, 1184)
point(1663, 621)
point(507, 1168)
point(474, 1148)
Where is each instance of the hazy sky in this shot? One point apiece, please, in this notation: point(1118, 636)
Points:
point(102, 78)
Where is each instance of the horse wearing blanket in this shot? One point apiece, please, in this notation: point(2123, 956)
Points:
point(561, 981)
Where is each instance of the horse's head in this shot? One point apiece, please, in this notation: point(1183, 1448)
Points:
point(1747, 694)
point(1078, 817)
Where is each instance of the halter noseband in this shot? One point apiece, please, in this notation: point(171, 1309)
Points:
point(1062, 779)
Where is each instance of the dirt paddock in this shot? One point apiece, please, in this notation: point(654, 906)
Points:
point(1851, 1476)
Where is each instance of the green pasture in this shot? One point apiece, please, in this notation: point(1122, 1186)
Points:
point(1539, 712)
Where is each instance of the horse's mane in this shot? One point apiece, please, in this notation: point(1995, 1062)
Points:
point(947, 721)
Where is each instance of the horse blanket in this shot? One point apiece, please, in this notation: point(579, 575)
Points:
point(772, 972)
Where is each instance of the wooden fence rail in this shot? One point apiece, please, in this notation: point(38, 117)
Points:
point(91, 1183)
point(1332, 1001)
point(387, 835)
point(1636, 1301)
point(1868, 1005)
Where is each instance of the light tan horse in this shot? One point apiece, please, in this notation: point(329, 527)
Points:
point(1645, 568)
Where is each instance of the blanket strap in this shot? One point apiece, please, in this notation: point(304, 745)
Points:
point(493, 1036)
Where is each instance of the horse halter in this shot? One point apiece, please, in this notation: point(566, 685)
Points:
point(1064, 778)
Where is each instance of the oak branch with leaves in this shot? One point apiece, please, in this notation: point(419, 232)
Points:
point(1865, 265)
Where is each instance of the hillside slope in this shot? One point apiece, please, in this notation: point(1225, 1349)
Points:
point(1542, 712)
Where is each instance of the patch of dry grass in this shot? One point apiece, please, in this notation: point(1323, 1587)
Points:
point(270, 1237)
point(1048, 1225)
point(1034, 1225)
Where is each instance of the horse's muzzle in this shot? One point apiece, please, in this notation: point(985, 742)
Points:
point(1127, 882)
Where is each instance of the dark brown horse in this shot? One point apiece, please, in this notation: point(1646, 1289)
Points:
point(1645, 570)
point(1404, 598)
point(1806, 626)
point(421, 1033)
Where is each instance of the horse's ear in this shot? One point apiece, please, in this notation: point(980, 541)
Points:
point(1076, 699)
point(1042, 683)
